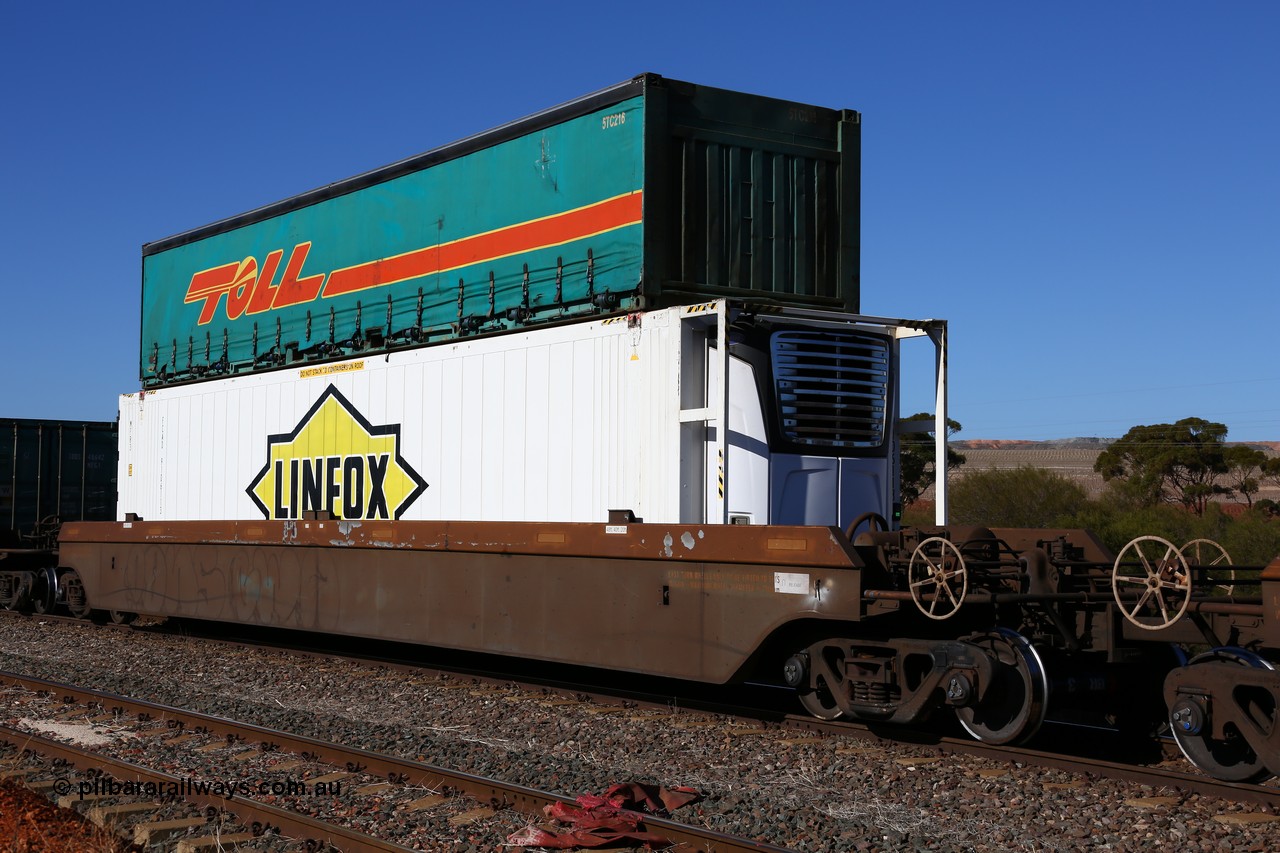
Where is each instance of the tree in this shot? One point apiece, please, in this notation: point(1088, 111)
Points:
point(1171, 463)
point(1271, 470)
point(917, 451)
point(1017, 497)
point(1246, 466)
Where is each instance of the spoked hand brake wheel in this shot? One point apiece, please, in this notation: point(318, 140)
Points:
point(1154, 570)
point(873, 520)
point(937, 578)
point(1216, 562)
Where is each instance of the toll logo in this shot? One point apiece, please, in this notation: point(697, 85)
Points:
point(335, 461)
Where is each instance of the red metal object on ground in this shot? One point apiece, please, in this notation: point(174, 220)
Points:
point(607, 821)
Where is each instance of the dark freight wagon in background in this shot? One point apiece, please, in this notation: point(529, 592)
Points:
point(54, 471)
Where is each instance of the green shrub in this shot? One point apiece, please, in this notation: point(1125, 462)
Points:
point(1035, 497)
point(1018, 497)
point(1253, 539)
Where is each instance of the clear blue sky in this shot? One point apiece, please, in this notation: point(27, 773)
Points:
point(1088, 191)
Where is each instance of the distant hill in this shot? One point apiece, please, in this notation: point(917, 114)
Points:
point(1071, 457)
point(1098, 444)
point(1051, 444)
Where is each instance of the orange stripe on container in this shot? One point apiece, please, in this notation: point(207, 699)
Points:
point(527, 236)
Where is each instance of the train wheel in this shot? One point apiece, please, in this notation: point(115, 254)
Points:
point(1216, 562)
point(818, 696)
point(44, 591)
point(122, 617)
point(1229, 758)
point(820, 703)
point(77, 600)
point(937, 571)
point(1155, 570)
point(1012, 709)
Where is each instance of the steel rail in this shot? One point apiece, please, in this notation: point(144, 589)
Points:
point(291, 824)
point(1191, 782)
point(398, 770)
point(1154, 776)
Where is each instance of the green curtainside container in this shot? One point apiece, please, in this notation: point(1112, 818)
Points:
point(643, 195)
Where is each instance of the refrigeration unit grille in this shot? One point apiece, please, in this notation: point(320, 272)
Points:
point(831, 387)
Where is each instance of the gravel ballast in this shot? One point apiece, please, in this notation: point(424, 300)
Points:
point(809, 793)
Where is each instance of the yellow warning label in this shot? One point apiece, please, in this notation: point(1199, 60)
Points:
point(327, 369)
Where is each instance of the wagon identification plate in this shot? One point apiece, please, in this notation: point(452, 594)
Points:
point(336, 461)
point(793, 583)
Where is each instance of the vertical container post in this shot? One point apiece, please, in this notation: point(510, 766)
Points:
point(722, 409)
point(697, 374)
point(938, 334)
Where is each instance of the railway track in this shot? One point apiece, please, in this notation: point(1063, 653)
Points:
point(1153, 776)
point(466, 796)
point(1188, 780)
point(793, 781)
point(102, 776)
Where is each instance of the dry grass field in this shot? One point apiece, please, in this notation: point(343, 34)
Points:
point(1072, 459)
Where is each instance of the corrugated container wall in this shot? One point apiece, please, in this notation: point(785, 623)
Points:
point(555, 424)
point(648, 194)
point(63, 470)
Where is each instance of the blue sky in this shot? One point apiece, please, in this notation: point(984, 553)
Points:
point(1089, 192)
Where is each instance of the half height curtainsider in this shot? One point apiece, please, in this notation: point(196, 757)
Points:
point(648, 194)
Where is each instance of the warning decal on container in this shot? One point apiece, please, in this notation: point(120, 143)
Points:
point(795, 583)
point(325, 370)
point(335, 461)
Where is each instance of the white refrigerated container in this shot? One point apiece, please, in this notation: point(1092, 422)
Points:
point(560, 423)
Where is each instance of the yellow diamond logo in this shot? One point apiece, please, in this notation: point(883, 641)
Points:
point(335, 461)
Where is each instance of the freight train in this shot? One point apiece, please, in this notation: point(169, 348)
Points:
point(594, 388)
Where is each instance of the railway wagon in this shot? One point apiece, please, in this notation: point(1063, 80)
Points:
point(992, 627)
point(52, 471)
point(677, 457)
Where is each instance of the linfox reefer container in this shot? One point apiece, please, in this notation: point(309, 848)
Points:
point(648, 194)
point(561, 423)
